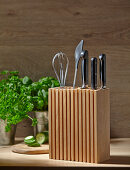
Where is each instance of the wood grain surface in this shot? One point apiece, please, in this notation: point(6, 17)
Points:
point(25, 149)
point(119, 151)
point(31, 32)
point(90, 145)
point(101, 131)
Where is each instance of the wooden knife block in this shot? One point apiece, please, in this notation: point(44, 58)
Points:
point(79, 124)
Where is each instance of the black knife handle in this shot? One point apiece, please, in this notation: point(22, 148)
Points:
point(102, 70)
point(94, 73)
point(84, 69)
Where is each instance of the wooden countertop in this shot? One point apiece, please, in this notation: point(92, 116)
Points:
point(120, 156)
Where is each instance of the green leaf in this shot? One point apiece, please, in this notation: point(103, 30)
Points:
point(34, 122)
point(43, 93)
point(7, 128)
point(45, 87)
point(35, 99)
point(40, 104)
point(4, 72)
point(45, 80)
point(19, 96)
point(26, 80)
point(14, 72)
point(40, 93)
point(56, 83)
point(15, 99)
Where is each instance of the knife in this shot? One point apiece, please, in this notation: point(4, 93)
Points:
point(94, 73)
point(84, 69)
point(102, 70)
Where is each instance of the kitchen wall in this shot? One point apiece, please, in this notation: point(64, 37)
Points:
point(32, 31)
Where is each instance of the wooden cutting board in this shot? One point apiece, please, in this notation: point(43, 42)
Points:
point(24, 149)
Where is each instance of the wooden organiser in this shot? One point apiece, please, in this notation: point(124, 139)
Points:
point(79, 124)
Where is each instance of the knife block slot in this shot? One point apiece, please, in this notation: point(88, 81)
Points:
point(79, 124)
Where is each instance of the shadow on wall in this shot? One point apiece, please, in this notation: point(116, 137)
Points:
point(24, 128)
point(122, 160)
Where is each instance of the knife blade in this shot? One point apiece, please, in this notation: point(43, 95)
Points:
point(102, 70)
point(94, 73)
point(84, 69)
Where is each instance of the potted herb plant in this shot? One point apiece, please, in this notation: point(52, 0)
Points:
point(15, 104)
point(40, 101)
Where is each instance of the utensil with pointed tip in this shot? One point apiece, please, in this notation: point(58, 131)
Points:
point(94, 73)
point(102, 70)
point(78, 52)
point(84, 69)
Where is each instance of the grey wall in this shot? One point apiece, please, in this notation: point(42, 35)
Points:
point(32, 31)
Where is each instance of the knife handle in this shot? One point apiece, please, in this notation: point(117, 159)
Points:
point(102, 70)
point(84, 69)
point(94, 73)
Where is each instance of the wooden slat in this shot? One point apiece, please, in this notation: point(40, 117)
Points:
point(88, 125)
point(76, 126)
point(53, 125)
point(92, 126)
point(102, 105)
point(72, 125)
point(61, 125)
point(50, 123)
point(68, 123)
point(95, 125)
point(65, 122)
point(84, 125)
point(80, 127)
point(57, 126)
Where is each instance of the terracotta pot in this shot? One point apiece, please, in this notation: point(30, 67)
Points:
point(42, 119)
point(6, 138)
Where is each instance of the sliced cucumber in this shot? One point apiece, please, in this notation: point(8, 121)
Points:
point(42, 137)
point(29, 139)
point(35, 144)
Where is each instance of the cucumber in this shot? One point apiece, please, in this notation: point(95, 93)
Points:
point(35, 144)
point(42, 137)
point(29, 140)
